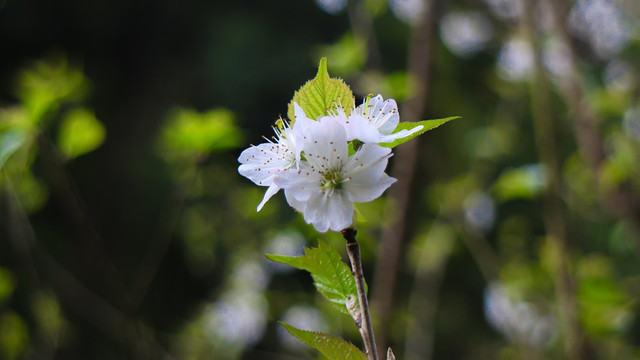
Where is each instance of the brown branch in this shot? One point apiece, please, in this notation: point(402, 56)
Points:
point(366, 330)
point(554, 214)
point(362, 26)
point(391, 245)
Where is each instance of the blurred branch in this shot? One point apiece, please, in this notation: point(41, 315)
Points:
point(620, 202)
point(159, 243)
point(554, 214)
point(423, 303)
point(362, 25)
point(94, 254)
point(72, 293)
point(391, 245)
point(20, 236)
point(481, 250)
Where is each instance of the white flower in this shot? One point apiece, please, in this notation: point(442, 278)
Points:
point(373, 121)
point(262, 162)
point(326, 184)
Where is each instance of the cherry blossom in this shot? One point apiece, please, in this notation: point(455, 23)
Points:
point(327, 183)
point(262, 162)
point(373, 121)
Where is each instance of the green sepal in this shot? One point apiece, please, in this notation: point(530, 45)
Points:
point(332, 347)
point(322, 93)
point(426, 126)
point(331, 276)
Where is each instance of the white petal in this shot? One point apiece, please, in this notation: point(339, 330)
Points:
point(365, 191)
point(365, 173)
point(359, 128)
point(367, 156)
point(341, 118)
point(340, 212)
point(383, 114)
point(300, 116)
point(260, 163)
point(399, 135)
point(333, 212)
point(326, 143)
point(272, 190)
point(296, 204)
point(299, 183)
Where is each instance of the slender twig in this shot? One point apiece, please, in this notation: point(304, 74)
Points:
point(366, 330)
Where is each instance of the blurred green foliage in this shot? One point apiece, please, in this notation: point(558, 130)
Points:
point(80, 132)
point(189, 133)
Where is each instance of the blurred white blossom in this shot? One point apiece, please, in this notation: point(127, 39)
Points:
point(409, 11)
point(465, 33)
point(515, 61)
point(517, 320)
point(603, 24)
point(332, 6)
point(506, 9)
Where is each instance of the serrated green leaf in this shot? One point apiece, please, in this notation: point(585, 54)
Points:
point(80, 133)
point(426, 126)
point(331, 276)
point(322, 93)
point(332, 347)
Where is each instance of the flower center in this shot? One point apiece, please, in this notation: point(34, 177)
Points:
point(332, 180)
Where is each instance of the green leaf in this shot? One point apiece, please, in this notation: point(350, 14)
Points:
point(331, 276)
point(7, 284)
point(426, 126)
point(10, 142)
point(524, 182)
point(189, 132)
point(80, 133)
point(14, 335)
point(45, 84)
point(322, 93)
point(334, 348)
point(347, 55)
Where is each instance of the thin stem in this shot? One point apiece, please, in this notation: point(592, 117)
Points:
point(366, 330)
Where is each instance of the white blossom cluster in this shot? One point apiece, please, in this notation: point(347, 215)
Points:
point(310, 161)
